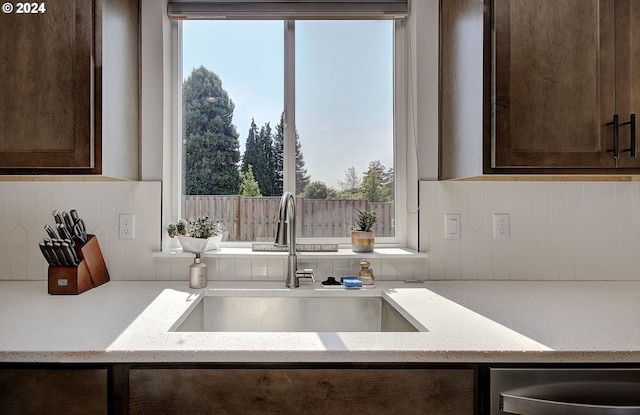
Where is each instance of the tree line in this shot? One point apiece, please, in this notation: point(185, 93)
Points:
point(212, 163)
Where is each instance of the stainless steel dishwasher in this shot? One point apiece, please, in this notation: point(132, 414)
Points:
point(538, 391)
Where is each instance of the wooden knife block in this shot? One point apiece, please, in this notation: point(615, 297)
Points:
point(91, 272)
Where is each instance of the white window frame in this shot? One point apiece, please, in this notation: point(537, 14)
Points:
point(400, 139)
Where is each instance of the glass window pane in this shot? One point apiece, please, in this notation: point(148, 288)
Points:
point(344, 122)
point(232, 141)
point(232, 105)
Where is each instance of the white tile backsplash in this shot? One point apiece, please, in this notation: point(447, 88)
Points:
point(559, 230)
point(26, 207)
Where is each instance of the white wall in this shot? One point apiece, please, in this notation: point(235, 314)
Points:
point(158, 90)
point(156, 93)
point(422, 108)
point(462, 83)
point(26, 207)
point(559, 230)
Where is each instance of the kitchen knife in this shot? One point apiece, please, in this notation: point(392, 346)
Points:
point(71, 242)
point(68, 254)
point(74, 257)
point(67, 220)
point(57, 217)
point(61, 257)
point(63, 231)
point(50, 232)
point(52, 254)
point(74, 215)
point(45, 253)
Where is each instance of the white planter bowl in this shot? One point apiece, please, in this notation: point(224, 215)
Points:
point(197, 245)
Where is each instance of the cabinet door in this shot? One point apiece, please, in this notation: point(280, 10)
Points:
point(53, 391)
point(298, 391)
point(554, 83)
point(627, 75)
point(46, 108)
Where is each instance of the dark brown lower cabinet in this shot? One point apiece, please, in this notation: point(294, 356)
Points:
point(168, 388)
point(282, 391)
point(54, 391)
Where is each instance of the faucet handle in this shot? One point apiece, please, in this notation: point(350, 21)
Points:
point(305, 273)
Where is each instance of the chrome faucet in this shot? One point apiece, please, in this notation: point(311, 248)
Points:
point(286, 235)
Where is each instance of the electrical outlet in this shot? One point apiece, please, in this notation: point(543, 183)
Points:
point(127, 226)
point(501, 226)
point(452, 226)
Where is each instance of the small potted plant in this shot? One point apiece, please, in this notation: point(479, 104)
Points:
point(362, 233)
point(197, 235)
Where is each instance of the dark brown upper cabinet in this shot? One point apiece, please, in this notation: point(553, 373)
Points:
point(563, 70)
point(69, 103)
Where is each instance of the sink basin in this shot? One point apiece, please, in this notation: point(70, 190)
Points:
point(252, 312)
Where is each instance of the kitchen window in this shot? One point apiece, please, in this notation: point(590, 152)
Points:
point(307, 105)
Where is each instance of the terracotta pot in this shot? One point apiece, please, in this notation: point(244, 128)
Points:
point(362, 241)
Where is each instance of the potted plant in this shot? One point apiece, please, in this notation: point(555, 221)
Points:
point(362, 233)
point(197, 235)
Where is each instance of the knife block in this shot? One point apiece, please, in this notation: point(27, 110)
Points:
point(91, 272)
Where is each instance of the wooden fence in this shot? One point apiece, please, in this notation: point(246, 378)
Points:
point(254, 218)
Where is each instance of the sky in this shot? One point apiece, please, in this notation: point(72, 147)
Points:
point(344, 85)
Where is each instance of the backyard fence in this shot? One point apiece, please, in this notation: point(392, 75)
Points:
point(255, 218)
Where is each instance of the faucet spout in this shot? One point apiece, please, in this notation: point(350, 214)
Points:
point(286, 235)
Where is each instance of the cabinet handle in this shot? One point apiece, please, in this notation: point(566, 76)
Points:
point(521, 405)
point(632, 124)
point(616, 146)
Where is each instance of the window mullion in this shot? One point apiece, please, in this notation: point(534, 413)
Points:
point(289, 156)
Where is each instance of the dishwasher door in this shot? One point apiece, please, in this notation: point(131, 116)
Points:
point(565, 391)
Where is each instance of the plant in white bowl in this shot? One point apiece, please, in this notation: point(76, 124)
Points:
point(197, 235)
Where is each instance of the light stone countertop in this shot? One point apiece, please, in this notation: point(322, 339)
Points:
point(470, 322)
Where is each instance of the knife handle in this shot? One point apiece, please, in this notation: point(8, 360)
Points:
point(66, 250)
point(50, 232)
point(70, 253)
point(67, 220)
point(61, 257)
point(57, 217)
point(63, 231)
point(45, 253)
point(52, 254)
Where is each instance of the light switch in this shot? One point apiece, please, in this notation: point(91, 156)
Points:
point(452, 226)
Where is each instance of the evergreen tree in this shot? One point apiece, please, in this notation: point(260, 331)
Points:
point(267, 177)
point(249, 186)
point(260, 154)
point(389, 182)
point(251, 152)
point(278, 144)
point(211, 147)
point(376, 183)
point(302, 178)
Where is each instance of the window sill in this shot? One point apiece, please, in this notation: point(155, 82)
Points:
point(246, 252)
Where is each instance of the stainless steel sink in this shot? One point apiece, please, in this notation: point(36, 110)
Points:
point(229, 312)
